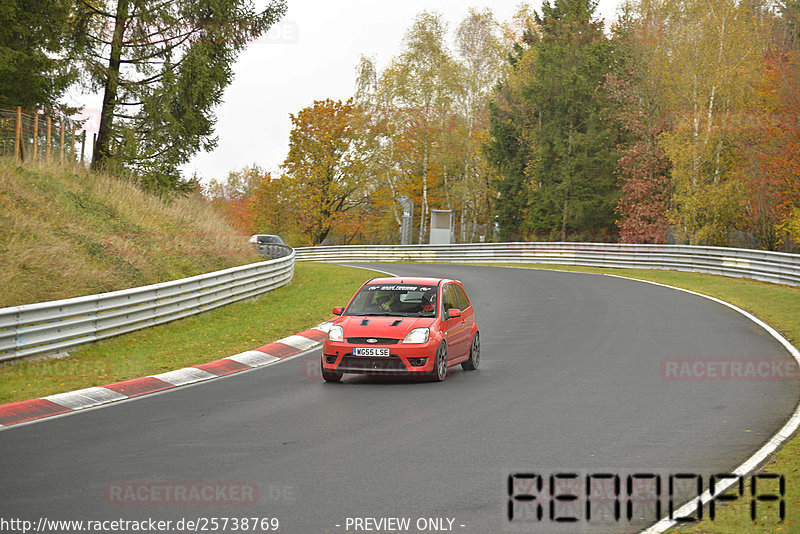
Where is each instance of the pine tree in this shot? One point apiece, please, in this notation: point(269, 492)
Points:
point(510, 148)
point(162, 67)
point(34, 72)
point(574, 185)
point(553, 144)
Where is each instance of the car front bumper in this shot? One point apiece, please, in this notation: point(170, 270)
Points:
point(403, 359)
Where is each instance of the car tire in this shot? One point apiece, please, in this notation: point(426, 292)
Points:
point(330, 376)
point(440, 364)
point(474, 360)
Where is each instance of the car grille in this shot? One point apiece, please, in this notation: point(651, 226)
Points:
point(353, 363)
point(380, 340)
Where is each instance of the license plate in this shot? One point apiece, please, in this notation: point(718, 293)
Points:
point(370, 351)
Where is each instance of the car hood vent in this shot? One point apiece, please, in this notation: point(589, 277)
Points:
point(397, 322)
point(364, 322)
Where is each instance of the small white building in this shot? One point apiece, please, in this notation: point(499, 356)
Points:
point(442, 227)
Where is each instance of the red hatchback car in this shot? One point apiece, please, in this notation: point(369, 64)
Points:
point(410, 326)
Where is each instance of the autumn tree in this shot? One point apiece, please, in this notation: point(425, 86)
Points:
point(325, 169)
point(233, 196)
point(481, 55)
point(708, 58)
point(773, 184)
point(381, 128)
point(788, 27)
point(273, 210)
point(420, 86)
point(637, 105)
point(426, 117)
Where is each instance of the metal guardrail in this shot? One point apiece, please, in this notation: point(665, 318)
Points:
point(775, 267)
point(52, 327)
point(271, 251)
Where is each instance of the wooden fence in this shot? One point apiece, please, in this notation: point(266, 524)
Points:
point(44, 138)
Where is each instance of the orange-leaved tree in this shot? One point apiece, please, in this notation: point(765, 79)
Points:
point(325, 168)
point(779, 153)
point(232, 196)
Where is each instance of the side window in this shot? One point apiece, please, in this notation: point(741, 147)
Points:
point(463, 301)
point(449, 299)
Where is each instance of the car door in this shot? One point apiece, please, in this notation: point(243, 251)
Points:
point(467, 315)
point(457, 332)
point(467, 312)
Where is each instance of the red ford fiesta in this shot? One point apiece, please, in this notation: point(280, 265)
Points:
point(417, 326)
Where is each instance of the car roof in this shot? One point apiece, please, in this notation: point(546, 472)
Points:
point(255, 238)
point(422, 281)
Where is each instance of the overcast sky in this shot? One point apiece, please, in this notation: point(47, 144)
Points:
point(311, 54)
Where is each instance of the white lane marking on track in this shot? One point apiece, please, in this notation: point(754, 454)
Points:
point(5, 428)
point(298, 342)
point(253, 358)
point(85, 398)
point(324, 327)
point(187, 375)
point(345, 264)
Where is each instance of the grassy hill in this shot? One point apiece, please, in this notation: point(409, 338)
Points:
point(66, 232)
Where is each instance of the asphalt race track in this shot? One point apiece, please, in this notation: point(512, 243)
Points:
point(570, 381)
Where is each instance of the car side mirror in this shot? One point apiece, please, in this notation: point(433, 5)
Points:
point(338, 310)
point(452, 313)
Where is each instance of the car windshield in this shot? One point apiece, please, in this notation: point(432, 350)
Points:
point(399, 300)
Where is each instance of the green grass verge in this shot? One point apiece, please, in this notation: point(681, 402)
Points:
point(306, 302)
point(778, 306)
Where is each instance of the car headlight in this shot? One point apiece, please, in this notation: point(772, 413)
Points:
point(418, 335)
point(336, 333)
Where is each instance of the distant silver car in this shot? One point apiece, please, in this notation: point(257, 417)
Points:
point(269, 246)
point(266, 239)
